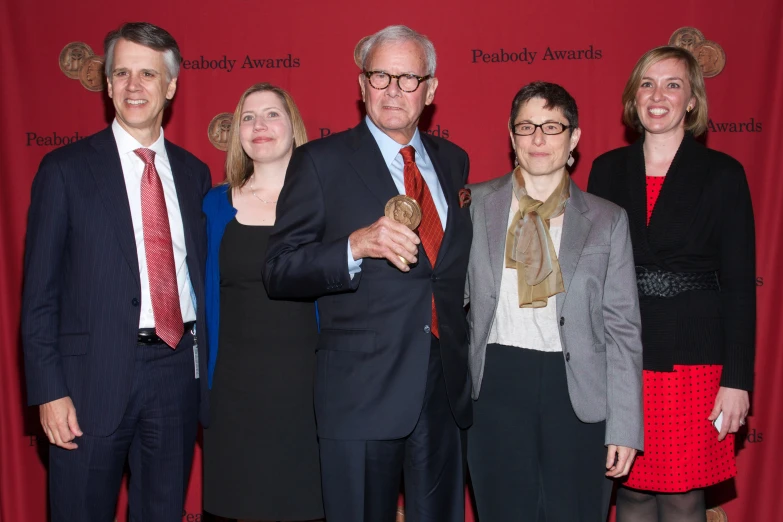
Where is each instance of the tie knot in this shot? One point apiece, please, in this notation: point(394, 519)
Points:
point(408, 154)
point(148, 155)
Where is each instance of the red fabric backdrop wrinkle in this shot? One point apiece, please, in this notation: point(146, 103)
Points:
point(471, 105)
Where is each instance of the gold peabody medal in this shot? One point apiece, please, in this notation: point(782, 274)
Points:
point(72, 57)
point(406, 210)
point(711, 58)
point(91, 74)
point(687, 38)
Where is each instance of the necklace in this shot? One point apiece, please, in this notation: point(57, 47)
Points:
point(262, 200)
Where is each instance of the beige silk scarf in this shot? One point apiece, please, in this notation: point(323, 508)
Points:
point(529, 247)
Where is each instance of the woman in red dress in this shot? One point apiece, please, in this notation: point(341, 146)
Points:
point(692, 230)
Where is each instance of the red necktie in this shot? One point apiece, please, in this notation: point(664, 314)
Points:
point(430, 229)
point(159, 253)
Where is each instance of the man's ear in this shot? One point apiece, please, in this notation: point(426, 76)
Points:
point(172, 88)
point(361, 86)
point(432, 86)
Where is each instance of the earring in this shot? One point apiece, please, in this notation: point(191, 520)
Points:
point(570, 161)
point(689, 109)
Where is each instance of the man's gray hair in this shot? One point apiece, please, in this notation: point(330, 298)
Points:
point(148, 35)
point(397, 34)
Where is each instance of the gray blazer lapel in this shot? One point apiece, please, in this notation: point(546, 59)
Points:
point(496, 206)
point(575, 229)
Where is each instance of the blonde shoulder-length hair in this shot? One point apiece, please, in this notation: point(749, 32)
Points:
point(239, 166)
point(696, 120)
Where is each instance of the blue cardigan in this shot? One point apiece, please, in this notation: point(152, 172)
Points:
point(219, 212)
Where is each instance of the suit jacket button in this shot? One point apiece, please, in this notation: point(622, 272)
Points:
point(135, 302)
point(562, 321)
point(426, 328)
point(568, 356)
point(433, 277)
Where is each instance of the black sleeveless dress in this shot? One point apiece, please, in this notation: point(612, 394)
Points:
point(261, 450)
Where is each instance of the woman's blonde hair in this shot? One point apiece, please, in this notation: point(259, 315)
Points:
point(696, 120)
point(239, 166)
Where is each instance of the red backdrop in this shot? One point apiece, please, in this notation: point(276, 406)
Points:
point(311, 47)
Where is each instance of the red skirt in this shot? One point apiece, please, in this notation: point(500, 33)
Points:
point(681, 448)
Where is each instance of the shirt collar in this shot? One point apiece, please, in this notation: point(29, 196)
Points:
point(390, 148)
point(127, 143)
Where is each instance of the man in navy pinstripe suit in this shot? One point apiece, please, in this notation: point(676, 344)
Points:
point(113, 375)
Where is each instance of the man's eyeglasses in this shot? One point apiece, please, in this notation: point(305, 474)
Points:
point(550, 128)
point(406, 82)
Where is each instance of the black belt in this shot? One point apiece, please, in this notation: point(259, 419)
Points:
point(659, 283)
point(148, 335)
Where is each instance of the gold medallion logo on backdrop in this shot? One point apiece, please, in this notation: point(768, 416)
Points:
point(219, 130)
point(78, 62)
point(91, 73)
point(712, 60)
point(709, 54)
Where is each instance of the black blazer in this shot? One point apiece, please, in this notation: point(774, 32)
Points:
point(702, 222)
point(374, 337)
point(80, 305)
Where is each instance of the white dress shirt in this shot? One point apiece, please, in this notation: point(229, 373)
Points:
point(132, 170)
point(533, 328)
point(390, 150)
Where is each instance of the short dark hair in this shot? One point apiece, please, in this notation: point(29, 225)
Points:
point(148, 35)
point(555, 97)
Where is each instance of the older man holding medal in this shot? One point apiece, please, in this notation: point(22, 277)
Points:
point(392, 390)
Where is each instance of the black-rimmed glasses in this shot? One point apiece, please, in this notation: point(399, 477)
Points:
point(406, 82)
point(550, 128)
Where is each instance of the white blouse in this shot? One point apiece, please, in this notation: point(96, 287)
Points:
point(533, 328)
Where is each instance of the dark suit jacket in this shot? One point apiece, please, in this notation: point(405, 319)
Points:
point(80, 305)
point(374, 342)
point(702, 222)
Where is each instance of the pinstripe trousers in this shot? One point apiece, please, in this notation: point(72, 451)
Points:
point(156, 436)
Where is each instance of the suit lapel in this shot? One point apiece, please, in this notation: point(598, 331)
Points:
point(440, 165)
point(106, 169)
point(678, 200)
point(634, 200)
point(368, 163)
point(575, 230)
point(188, 201)
point(496, 206)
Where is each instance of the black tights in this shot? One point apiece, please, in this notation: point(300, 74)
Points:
point(639, 506)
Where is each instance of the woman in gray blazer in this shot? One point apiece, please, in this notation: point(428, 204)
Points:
point(555, 341)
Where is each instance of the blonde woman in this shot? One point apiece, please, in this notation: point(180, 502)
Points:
point(692, 230)
point(261, 451)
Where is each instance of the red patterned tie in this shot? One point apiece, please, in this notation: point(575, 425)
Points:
point(159, 253)
point(430, 229)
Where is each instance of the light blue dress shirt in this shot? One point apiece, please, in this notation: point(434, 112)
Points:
point(390, 150)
